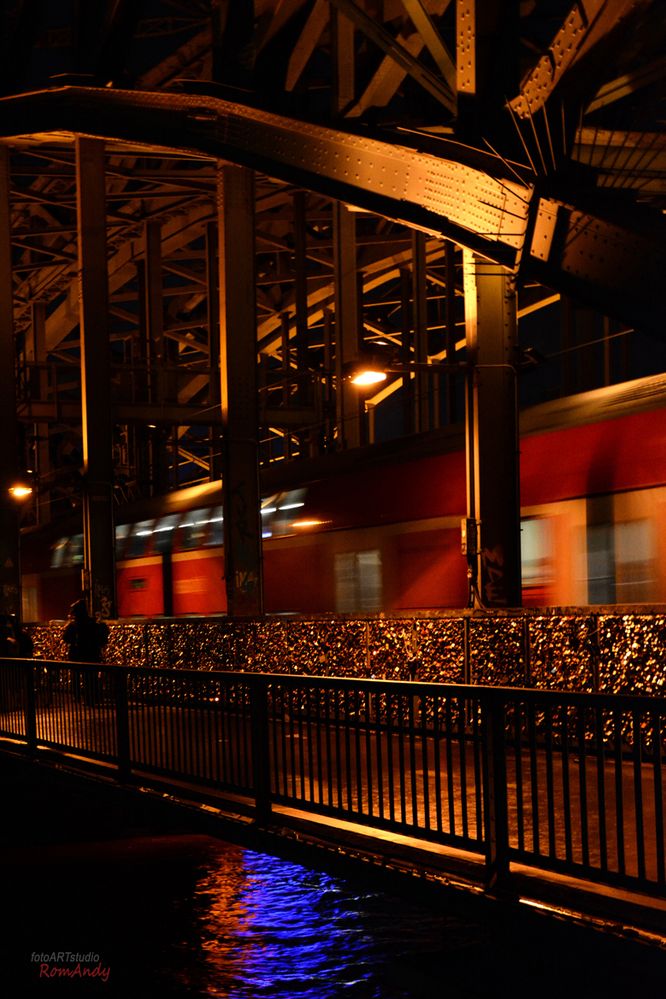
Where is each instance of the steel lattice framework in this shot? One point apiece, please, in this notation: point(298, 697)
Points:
point(530, 135)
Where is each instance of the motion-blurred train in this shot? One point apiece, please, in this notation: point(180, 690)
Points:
point(379, 530)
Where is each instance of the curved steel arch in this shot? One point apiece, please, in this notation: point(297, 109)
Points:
point(470, 197)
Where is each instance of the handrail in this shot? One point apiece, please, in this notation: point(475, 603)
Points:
point(563, 782)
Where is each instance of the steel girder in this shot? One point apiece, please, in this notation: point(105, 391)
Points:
point(486, 209)
point(477, 200)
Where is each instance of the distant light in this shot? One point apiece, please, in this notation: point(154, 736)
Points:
point(269, 509)
point(20, 491)
point(368, 376)
point(291, 506)
point(309, 523)
point(267, 534)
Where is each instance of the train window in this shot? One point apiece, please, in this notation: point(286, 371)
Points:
point(59, 553)
point(600, 564)
point(67, 552)
point(163, 532)
point(280, 511)
point(536, 551)
point(122, 534)
point(216, 527)
point(635, 574)
point(358, 581)
point(75, 552)
point(191, 532)
point(141, 539)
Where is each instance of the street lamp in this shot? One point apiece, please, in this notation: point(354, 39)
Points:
point(372, 369)
point(17, 492)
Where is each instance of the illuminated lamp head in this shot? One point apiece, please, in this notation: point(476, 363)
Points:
point(20, 491)
point(367, 377)
point(368, 369)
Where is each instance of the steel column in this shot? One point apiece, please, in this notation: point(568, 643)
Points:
point(10, 575)
point(492, 429)
point(36, 353)
point(349, 407)
point(154, 309)
point(450, 262)
point(238, 390)
point(213, 325)
point(155, 353)
point(424, 386)
point(98, 528)
point(408, 388)
point(300, 283)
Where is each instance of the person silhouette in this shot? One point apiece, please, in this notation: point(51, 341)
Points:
point(85, 638)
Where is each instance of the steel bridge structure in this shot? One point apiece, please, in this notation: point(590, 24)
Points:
point(210, 210)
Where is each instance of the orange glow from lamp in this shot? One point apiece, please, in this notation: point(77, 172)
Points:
point(20, 491)
point(301, 524)
point(367, 369)
point(368, 376)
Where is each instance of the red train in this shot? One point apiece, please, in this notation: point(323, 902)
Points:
point(382, 531)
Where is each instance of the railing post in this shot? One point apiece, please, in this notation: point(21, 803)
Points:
point(261, 769)
point(122, 723)
point(496, 806)
point(30, 710)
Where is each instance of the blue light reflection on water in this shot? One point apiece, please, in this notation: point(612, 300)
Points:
point(281, 930)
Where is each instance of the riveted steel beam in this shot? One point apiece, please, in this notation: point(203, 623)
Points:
point(482, 207)
point(585, 25)
point(468, 197)
point(575, 251)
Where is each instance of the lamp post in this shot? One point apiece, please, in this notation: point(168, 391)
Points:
point(11, 500)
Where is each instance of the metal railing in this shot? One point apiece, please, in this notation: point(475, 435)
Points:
point(570, 783)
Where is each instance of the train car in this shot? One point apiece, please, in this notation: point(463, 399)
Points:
point(380, 530)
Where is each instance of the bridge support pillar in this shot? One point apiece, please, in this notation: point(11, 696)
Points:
point(238, 391)
point(96, 419)
point(492, 444)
